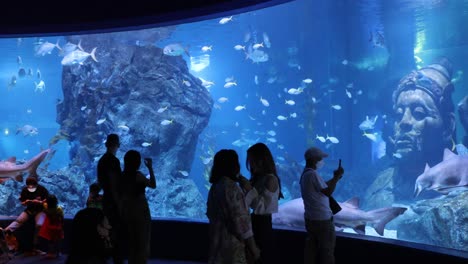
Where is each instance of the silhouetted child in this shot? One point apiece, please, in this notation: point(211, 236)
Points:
point(94, 198)
point(52, 229)
point(95, 201)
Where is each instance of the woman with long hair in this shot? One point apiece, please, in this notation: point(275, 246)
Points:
point(231, 237)
point(135, 209)
point(262, 194)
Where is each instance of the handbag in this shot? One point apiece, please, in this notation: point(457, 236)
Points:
point(334, 206)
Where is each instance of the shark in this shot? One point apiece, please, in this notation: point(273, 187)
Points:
point(449, 175)
point(291, 214)
point(9, 169)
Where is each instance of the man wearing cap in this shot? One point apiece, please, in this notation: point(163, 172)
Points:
point(33, 196)
point(320, 243)
point(109, 173)
point(424, 124)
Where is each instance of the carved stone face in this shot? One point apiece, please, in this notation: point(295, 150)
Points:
point(418, 128)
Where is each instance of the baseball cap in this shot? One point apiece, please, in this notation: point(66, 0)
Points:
point(314, 152)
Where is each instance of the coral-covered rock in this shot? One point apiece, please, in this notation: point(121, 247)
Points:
point(149, 99)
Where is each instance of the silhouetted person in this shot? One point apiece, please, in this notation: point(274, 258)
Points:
point(94, 197)
point(231, 233)
point(109, 174)
point(263, 193)
point(88, 237)
point(136, 212)
point(320, 242)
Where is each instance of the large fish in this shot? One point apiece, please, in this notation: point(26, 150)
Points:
point(175, 50)
point(448, 175)
point(292, 214)
point(46, 48)
point(78, 57)
point(27, 130)
point(69, 48)
point(9, 168)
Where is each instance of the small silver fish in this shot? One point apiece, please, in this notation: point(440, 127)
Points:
point(239, 107)
point(166, 122)
point(162, 109)
point(184, 173)
point(336, 107)
point(225, 20)
point(124, 128)
point(320, 138)
point(333, 140)
point(100, 121)
point(146, 144)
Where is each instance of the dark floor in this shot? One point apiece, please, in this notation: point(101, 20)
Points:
point(60, 260)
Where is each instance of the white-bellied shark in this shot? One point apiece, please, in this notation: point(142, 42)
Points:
point(448, 175)
point(9, 168)
point(292, 214)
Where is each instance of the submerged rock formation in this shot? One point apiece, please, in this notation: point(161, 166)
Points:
point(149, 99)
point(440, 221)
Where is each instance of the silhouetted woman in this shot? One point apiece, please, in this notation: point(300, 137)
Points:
point(263, 192)
point(230, 225)
point(135, 209)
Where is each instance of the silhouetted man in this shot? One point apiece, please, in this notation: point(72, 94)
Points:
point(109, 174)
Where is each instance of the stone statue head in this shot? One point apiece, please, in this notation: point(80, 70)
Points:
point(424, 113)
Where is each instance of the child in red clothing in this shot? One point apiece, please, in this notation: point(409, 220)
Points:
point(52, 229)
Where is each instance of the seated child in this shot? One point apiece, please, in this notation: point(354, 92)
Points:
point(8, 246)
point(52, 229)
point(94, 198)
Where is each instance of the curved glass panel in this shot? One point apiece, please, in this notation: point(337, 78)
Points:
point(377, 84)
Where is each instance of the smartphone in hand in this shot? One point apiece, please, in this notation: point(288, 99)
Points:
point(340, 169)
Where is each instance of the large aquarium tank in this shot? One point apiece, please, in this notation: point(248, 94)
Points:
point(378, 84)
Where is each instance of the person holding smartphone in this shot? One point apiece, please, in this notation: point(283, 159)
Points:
point(135, 209)
point(320, 242)
point(33, 196)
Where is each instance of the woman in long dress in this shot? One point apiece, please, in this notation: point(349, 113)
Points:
point(135, 209)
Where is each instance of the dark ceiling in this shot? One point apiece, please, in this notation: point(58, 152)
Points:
point(20, 18)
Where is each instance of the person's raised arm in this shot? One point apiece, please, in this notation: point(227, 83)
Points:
point(152, 179)
point(337, 174)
